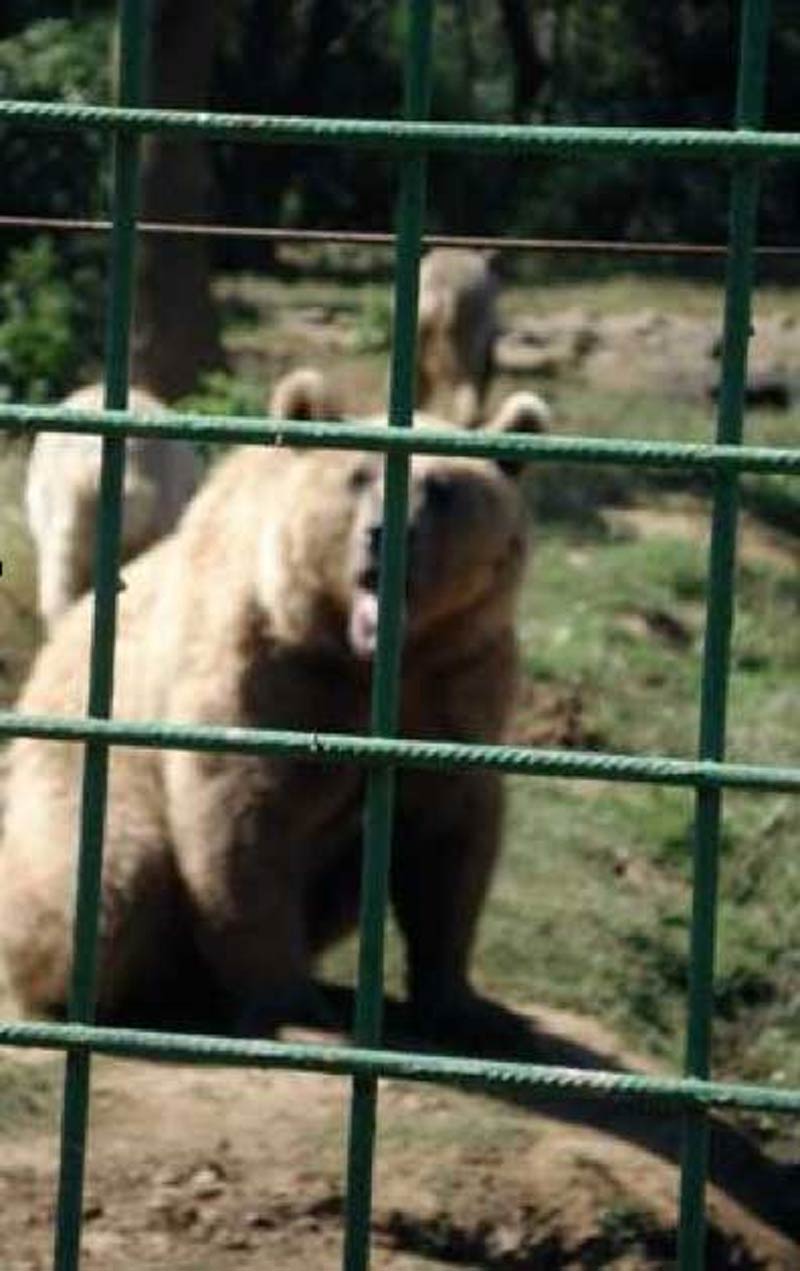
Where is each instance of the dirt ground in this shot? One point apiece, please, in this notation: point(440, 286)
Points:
point(664, 349)
point(670, 353)
point(195, 1170)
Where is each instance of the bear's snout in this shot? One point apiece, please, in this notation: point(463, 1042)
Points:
point(373, 543)
point(458, 527)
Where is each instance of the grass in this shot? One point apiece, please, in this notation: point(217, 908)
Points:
point(591, 905)
point(605, 868)
point(590, 909)
point(626, 292)
point(18, 623)
point(29, 1092)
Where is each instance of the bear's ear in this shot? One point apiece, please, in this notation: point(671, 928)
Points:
point(304, 394)
point(521, 412)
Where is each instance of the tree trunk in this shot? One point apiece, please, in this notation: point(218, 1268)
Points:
point(530, 70)
point(327, 21)
point(468, 65)
point(176, 333)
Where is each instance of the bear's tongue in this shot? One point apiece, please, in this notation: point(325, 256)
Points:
point(362, 628)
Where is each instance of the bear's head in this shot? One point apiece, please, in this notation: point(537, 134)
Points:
point(466, 535)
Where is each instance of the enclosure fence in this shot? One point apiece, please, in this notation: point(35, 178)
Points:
point(744, 149)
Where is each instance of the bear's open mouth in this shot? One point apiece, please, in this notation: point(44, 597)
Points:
point(362, 627)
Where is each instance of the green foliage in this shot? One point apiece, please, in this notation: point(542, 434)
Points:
point(55, 58)
point(28, 1094)
point(50, 295)
point(373, 333)
point(19, 620)
point(57, 174)
point(45, 333)
point(219, 393)
point(617, 62)
point(34, 325)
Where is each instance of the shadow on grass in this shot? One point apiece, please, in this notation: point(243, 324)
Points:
point(574, 496)
point(623, 1232)
point(768, 1189)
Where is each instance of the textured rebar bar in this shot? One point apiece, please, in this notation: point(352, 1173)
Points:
point(410, 216)
point(74, 1128)
point(335, 435)
point(719, 623)
point(408, 753)
point(391, 136)
point(549, 1081)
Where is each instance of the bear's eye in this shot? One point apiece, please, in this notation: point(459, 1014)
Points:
point(359, 478)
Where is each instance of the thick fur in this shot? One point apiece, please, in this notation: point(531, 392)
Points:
point(62, 497)
point(229, 873)
point(457, 330)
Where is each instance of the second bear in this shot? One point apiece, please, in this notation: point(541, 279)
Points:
point(62, 497)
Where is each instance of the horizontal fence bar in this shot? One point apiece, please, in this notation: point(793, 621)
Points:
point(379, 238)
point(406, 753)
point(550, 1082)
point(334, 435)
point(398, 136)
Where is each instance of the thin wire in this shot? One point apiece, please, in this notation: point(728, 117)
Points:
point(376, 238)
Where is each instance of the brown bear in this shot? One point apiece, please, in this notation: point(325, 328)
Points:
point(457, 329)
point(225, 874)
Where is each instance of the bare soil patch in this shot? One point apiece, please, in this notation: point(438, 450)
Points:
point(204, 1169)
point(677, 354)
point(553, 715)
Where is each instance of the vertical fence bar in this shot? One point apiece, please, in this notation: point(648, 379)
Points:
point(719, 623)
point(74, 1126)
point(410, 213)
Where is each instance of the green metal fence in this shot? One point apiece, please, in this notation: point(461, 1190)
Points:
point(744, 149)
